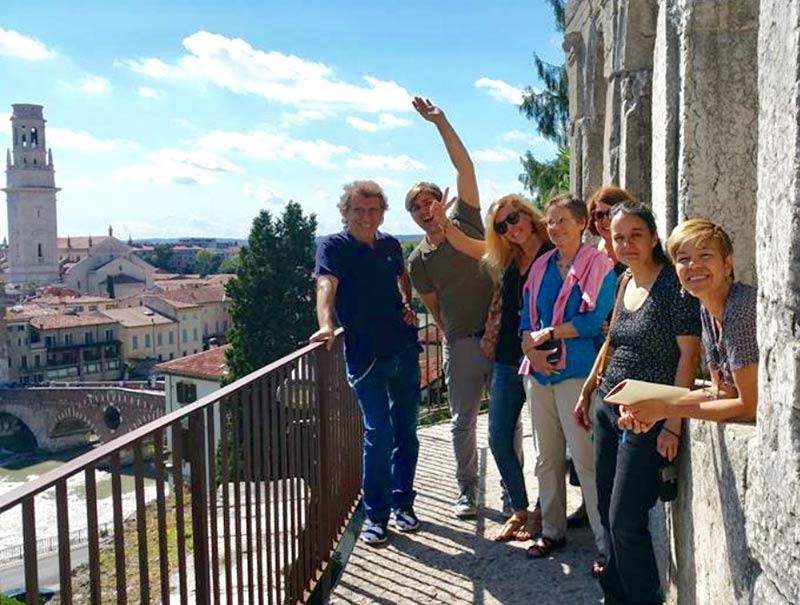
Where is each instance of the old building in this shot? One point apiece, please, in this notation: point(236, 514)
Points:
point(692, 106)
point(31, 199)
point(89, 263)
point(146, 334)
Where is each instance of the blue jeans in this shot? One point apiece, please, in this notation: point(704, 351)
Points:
point(627, 488)
point(507, 395)
point(389, 397)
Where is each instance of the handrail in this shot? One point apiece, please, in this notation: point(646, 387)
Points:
point(70, 468)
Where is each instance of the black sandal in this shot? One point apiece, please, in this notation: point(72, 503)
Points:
point(544, 546)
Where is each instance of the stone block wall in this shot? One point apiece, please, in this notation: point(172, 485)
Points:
point(701, 117)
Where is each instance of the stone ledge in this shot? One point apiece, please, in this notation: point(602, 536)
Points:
point(710, 560)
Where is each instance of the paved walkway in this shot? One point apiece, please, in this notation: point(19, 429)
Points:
point(453, 561)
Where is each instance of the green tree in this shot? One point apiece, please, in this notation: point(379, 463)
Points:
point(231, 264)
point(548, 108)
point(207, 262)
point(110, 286)
point(272, 295)
point(161, 256)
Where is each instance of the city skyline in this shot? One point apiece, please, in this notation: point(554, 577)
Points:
point(186, 121)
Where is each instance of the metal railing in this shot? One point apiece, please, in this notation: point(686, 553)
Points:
point(254, 485)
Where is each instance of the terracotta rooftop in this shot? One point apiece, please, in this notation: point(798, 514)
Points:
point(68, 320)
point(80, 243)
point(70, 300)
point(208, 365)
point(196, 294)
point(26, 312)
point(133, 317)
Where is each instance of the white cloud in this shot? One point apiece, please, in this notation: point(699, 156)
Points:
point(530, 140)
point(384, 162)
point(233, 64)
point(290, 118)
point(496, 154)
point(14, 44)
point(272, 145)
point(502, 91)
point(64, 138)
point(491, 190)
point(262, 192)
point(176, 166)
point(95, 85)
point(148, 93)
point(515, 135)
point(385, 122)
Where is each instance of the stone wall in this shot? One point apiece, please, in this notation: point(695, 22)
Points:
point(693, 106)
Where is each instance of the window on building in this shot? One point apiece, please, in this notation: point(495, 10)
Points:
point(194, 334)
point(134, 342)
point(39, 246)
point(23, 362)
point(34, 137)
point(88, 338)
point(36, 361)
point(185, 336)
point(186, 392)
point(160, 339)
point(109, 335)
point(67, 340)
point(147, 341)
point(171, 337)
point(49, 341)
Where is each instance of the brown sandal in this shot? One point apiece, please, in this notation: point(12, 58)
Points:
point(544, 546)
point(513, 528)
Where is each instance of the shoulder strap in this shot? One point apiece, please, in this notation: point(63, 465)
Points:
point(623, 283)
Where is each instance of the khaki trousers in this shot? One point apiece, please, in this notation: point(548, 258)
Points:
point(554, 426)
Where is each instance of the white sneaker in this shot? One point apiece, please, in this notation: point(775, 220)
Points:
point(405, 520)
point(374, 533)
point(465, 505)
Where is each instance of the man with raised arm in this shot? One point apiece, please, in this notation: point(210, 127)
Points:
point(362, 282)
point(457, 293)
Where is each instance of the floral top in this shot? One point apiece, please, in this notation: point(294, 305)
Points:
point(734, 346)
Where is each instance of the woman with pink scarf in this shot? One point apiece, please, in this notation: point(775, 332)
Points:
point(569, 294)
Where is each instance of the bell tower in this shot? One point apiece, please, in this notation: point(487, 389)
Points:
point(31, 200)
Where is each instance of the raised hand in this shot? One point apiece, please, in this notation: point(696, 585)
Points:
point(439, 208)
point(428, 110)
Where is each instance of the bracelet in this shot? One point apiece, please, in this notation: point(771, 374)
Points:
point(671, 432)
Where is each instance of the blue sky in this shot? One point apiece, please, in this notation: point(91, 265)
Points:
point(186, 118)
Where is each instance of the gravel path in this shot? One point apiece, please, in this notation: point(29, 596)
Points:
point(453, 561)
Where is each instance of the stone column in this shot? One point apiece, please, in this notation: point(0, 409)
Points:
point(774, 498)
point(665, 106)
point(719, 119)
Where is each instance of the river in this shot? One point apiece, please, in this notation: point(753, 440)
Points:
point(17, 469)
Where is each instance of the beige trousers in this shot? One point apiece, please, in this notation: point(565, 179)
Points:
point(554, 426)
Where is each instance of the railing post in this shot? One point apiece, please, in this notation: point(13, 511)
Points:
point(322, 358)
point(197, 459)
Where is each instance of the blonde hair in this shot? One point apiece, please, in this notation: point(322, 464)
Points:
point(360, 189)
point(698, 231)
point(499, 252)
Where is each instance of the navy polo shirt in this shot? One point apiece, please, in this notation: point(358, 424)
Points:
point(368, 303)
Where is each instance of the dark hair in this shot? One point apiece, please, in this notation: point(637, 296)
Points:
point(644, 214)
point(575, 205)
point(610, 196)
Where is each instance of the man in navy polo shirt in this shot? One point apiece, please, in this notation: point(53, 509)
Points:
point(361, 278)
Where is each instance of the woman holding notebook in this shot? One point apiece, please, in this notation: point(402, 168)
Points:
point(653, 337)
point(703, 257)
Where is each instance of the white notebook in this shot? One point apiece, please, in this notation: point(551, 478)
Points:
point(633, 391)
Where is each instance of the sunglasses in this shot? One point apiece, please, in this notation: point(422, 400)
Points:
point(599, 215)
point(502, 226)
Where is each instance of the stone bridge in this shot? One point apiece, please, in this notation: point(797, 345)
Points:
point(62, 418)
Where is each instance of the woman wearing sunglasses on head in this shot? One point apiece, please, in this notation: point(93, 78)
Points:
point(600, 206)
point(568, 295)
point(515, 237)
point(654, 337)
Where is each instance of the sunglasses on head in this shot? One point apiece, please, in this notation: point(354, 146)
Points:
point(501, 227)
point(599, 215)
